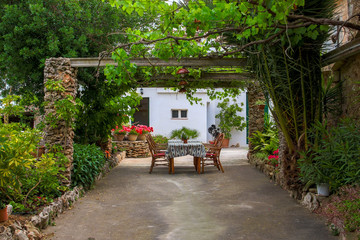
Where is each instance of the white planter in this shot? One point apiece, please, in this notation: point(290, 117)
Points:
point(323, 189)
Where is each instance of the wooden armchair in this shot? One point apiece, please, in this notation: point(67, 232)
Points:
point(157, 156)
point(213, 154)
point(210, 145)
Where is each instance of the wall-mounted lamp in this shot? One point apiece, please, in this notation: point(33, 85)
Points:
point(141, 91)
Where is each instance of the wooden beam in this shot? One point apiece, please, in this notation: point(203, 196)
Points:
point(341, 53)
point(164, 84)
point(232, 77)
point(148, 62)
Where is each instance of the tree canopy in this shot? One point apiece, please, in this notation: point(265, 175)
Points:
point(32, 31)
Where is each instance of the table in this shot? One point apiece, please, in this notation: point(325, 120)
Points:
point(176, 148)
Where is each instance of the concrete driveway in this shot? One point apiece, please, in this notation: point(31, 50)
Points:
point(129, 203)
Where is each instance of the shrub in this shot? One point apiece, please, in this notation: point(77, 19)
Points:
point(23, 177)
point(229, 118)
point(184, 133)
point(266, 141)
point(159, 139)
point(334, 157)
point(87, 164)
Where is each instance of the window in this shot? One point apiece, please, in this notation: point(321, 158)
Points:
point(179, 113)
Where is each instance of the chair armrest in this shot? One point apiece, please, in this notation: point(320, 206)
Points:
point(208, 145)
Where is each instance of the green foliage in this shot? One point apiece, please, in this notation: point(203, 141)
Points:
point(21, 175)
point(160, 139)
point(229, 118)
point(32, 31)
point(66, 109)
point(105, 105)
point(334, 157)
point(342, 209)
point(266, 141)
point(261, 155)
point(10, 107)
point(184, 133)
point(87, 164)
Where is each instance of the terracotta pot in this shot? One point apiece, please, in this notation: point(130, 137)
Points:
point(225, 143)
point(132, 137)
point(261, 107)
point(141, 137)
point(185, 140)
point(119, 137)
point(3, 215)
point(39, 151)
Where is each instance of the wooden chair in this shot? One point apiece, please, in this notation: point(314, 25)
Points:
point(209, 145)
point(157, 156)
point(160, 147)
point(213, 155)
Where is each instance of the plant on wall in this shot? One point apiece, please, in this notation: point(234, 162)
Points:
point(229, 118)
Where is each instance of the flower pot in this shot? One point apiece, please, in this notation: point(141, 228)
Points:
point(39, 151)
point(225, 143)
point(132, 137)
point(185, 140)
point(119, 137)
point(3, 215)
point(141, 137)
point(261, 106)
point(323, 189)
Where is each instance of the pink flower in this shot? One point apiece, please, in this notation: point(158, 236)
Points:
point(276, 151)
point(117, 127)
point(112, 130)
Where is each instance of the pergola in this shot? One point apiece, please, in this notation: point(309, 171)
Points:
point(65, 69)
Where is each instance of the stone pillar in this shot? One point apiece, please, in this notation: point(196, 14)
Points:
point(256, 115)
point(62, 134)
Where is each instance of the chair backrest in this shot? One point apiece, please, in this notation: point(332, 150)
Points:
point(151, 143)
point(218, 137)
point(219, 140)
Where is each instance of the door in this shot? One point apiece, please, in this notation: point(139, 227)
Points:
point(141, 116)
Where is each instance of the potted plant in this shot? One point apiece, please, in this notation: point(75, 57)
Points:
point(119, 134)
point(229, 119)
point(261, 104)
point(3, 211)
point(184, 134)
point(133, 134)
point(143, 130)
point(214, 131)
point(312, 172)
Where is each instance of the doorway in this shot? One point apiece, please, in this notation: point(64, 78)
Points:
point(141, 116)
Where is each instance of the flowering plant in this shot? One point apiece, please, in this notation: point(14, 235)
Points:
point(274, 159)
point(133, 130)
point(119, 131)
point(142, 129)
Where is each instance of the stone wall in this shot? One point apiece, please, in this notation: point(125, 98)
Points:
point(134, 149)
point(63, 134)
point(256, 115)
point(350, 74)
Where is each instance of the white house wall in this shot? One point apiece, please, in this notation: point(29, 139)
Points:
point(200, 117)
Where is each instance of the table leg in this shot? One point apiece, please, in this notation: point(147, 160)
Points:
point(197, 163)
point(172, 165)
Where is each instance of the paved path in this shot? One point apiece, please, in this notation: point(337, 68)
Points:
point(129, 203)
